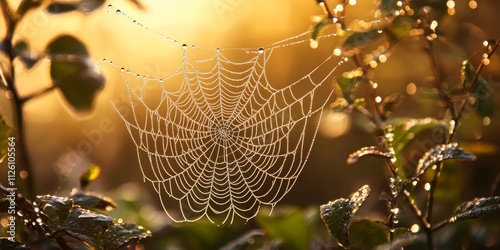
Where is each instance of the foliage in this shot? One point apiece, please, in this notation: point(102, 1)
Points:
point(397, 138)
point(69, 222)
point(53, 222)
point(79, 220)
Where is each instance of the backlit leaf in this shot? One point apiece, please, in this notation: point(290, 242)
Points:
point(368, 233)
point(391, 103)
point(360, 39)
point(73, 73)
point(347, 83)
point(388, 5)
point(338, 214)
point(477, 207)
point(372, 150)
point(90, 175)
point(440, 153)
point(484, 102)
point(287, 225)
point(401, 27)
point(405, 136)
point(85, 6)
point(316, 29)
point(91, 201)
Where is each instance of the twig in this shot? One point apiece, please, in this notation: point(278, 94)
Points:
point(11, 21)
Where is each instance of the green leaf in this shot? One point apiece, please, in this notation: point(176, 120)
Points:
point(388, 6)
point(73, 73)
point(245, 241)
point(92, 201)
point(402, 241)
point(90, 175)
point(120, 235)
point(347, 83)
point(338, 214)
point(482, 91)
point(405, 135)
point(61, 8)
point(66, 45)
point(440, 153)
point(360, 39)
point(290, 225)
point(56, 208)
point(390, 104)
point(87, 226)
point(372, 150)
point(85, 6)
point(401, 27)
point(316, 29)
point(476, 208)
point(368, 233)
point(7, 135)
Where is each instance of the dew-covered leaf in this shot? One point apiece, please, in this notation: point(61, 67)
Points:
point(56, 208)
point(360, 39)
point(391, 103)
point(87, 226)
point(397, 185)
point(368, 233)
point(117, 236)
point(89, 175)
point(477, 207)
point(440, 153)
point(92, 201)
point(338, 214)
point(73, 72)
point(284, 225)
point(372, 150)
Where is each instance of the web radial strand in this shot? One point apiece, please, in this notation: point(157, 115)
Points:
point(215, 137)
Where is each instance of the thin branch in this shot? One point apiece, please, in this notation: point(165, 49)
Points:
point(25, 163)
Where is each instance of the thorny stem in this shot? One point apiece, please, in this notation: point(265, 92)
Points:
point(11, 20)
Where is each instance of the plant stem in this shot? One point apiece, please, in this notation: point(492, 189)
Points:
point(456, 119)
point(11, 20)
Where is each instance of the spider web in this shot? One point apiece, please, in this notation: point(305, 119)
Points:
point(215, 137)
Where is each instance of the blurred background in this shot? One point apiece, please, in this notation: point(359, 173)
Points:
point(61, 143)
